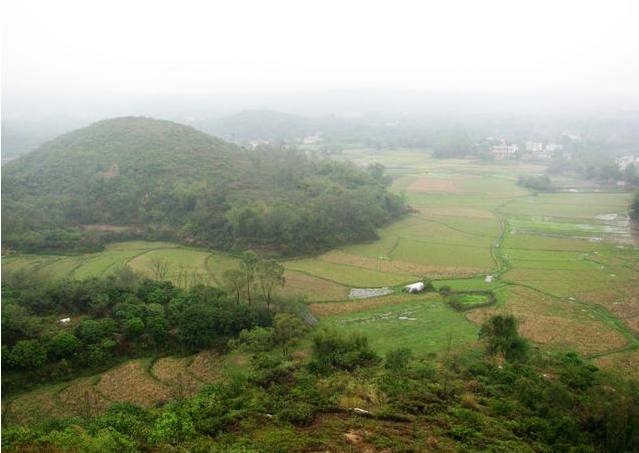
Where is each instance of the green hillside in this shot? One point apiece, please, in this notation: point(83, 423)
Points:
point(143, 178)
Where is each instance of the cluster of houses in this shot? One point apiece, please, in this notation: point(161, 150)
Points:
point(624, 161)
point(541, 151)
point(532, 150)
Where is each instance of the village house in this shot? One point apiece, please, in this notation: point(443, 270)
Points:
point(541, 151)
point(503, 151)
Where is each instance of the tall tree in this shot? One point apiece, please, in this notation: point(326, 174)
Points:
point(269, 274)
point(234, 282)
point(248, 267)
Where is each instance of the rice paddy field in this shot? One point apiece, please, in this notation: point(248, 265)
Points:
point(566, 264)
point(145, 382)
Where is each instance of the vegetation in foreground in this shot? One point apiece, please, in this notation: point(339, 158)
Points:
point(346, 398)
point(342, 396)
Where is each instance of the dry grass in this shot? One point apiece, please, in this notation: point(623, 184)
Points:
point(301, 284)
point(206, 366)
point(435, 271)
point(626, 363)
point(434, 185)
point(398, 266)
point(337, 308)
point(131, 383)
point(82, 399)
point(558, 325)
point(173, 372)
point(37, 405)
point(622, 302)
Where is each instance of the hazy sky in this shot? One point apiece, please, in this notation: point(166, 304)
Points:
point(147, 47)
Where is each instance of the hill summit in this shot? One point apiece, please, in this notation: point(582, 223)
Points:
point(162, 180)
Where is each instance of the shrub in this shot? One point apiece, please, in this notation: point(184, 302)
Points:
point(332, 349)
point(398, 359)
point(297, 413)
point(28, 354)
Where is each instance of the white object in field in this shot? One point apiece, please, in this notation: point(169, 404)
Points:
point(358, 410)
point(414, 288)
point(489, 278)
point(65, 320)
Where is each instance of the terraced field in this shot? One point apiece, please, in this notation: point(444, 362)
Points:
point(144, 382)
point(186, 267)
point(566, 263)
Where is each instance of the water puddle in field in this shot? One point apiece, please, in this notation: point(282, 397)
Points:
point(365, 293)
point(402, 315)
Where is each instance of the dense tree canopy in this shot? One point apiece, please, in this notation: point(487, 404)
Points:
point(138, 177)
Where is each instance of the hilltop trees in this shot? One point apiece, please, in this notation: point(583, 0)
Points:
point(132, 178)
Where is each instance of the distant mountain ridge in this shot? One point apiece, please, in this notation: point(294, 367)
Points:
point(261, 125)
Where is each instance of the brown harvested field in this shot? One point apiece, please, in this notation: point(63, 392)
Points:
point(476, 213)
point(626, 363)
point(364, 262)
point(300, 284)
point(335, 308)
point(132, 383)
point(173, 372)
point(398, 266)
point(206, 366)
point(81, 397)
point(555, 324)
point(435, 185)
point(434, 271)
point(622, 302)
point(35, 406)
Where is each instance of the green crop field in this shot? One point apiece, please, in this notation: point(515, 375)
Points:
point(470, 220)
point(424, 325)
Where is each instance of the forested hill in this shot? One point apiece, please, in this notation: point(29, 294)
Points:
point(162, 180)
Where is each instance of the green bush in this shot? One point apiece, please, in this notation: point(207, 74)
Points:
point(333, 349)
point(28, 354)
point(398, 359)
point(297, 413)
